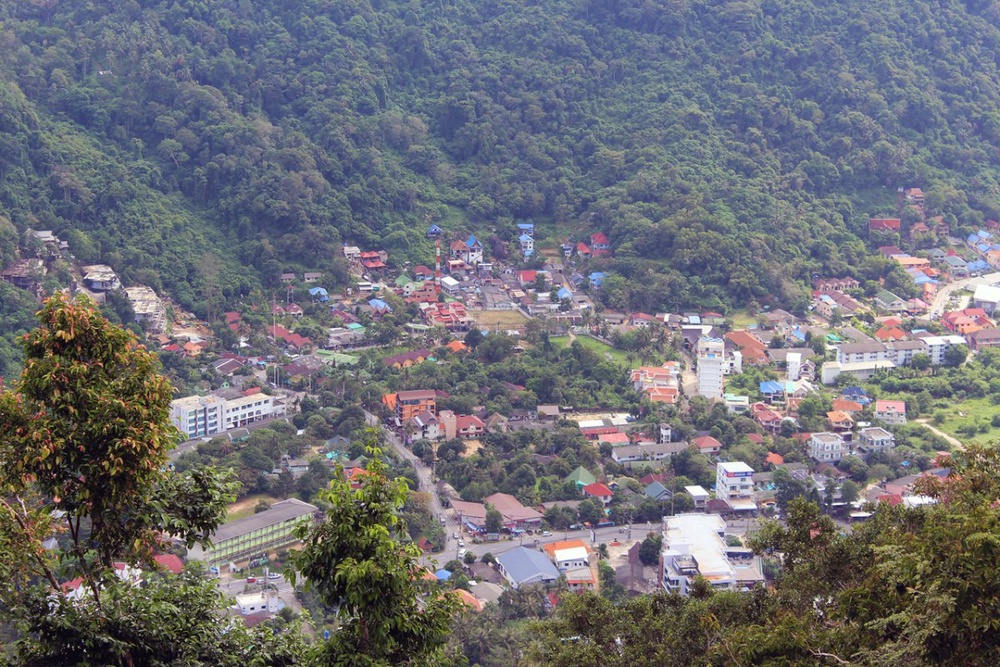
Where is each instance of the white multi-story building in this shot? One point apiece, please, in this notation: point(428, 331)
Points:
point(247, 409)
point(711, 367)
point(198, 416)
point(734, 485)
point(856, 353)
point(827, 447)
point(693, 545)
point(937, 346)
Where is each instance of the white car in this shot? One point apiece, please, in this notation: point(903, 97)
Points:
point(274, 575)
point(462, 552)
point(461, 543)
point(547, 533)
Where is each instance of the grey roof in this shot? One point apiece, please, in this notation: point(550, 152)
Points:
point(276, 514)
point(527, 566)
point(854, 348)
point(657, 491)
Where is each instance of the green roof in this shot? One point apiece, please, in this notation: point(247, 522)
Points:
point(581, 476)
point(402, 280)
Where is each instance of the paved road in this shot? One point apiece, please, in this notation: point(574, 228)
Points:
point(423, 472)
point(944, 294)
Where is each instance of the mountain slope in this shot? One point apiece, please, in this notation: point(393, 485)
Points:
point(730, 149)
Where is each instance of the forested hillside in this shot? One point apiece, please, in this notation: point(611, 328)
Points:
point(729, 149)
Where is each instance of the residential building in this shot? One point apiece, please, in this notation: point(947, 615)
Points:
point(734, 485)
point(890, 412)
point(984, 338)
point(148, 308)
point(629, 454)
point(938, 346)
point(100, 278)
point(827, 447)
point(522, 566)
point(711, 367)
point(424, 426)
point(600, 492)
point(875, 439)
point(24, 273)
point(706, 444)
point(862, 370)
point(886, 300)
point(407, 404)
point(568, 554)
point(265, 602)
point(693, 546)
point(257, 534)
point(902, 352)
point(699, 495)
point(851, 353)
point(197, 416)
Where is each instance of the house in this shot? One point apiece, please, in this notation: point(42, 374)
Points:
point(527, 245)
point(581, 476)
point(875, 439)
point(599, 491)
point(424, 426)
point(734, 485)
point(884, 225)
point(352, 253)
point(852, 353)
point(288, 277)
point(772, 391)
point(699, 495)
point(100, 278)
point(568, 554)
point(886, 300)
point(599, 244)
point(827, 447)
point(434, 231)
point(839, 421)
point(984, 338)
point(526, 228)
point(658, 451)
point(497, 423)
point(768, 419)
point(24, 273)
point(657, 491)
point(522, 566)
point(890, 412)
point(706, 444)
point(311, 276)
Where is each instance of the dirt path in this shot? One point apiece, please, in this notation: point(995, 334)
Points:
point(953, 441)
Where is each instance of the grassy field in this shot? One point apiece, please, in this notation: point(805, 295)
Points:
point(499, 319)
point(244, 508)
point(742, 319)
point(961, 417)
point(618, 356)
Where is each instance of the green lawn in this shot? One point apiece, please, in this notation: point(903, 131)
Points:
point(618, 356)
point(976, 411)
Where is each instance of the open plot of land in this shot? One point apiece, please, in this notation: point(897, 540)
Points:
point(499, 320)
point(975, 413)
point(603, 349)
point(245, 507)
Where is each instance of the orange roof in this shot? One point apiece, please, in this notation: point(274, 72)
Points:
point(663, 395)
point(389, 400)
point(469, 599)
point(775, 459)
point(457, 346)
point(843, 405)
point(169, 562)
point(553, 547)
point(836, 416)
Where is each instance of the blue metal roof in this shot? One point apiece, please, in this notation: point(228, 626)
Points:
point(527, 566)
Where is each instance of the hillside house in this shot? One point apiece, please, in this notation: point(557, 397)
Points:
point(890, 412)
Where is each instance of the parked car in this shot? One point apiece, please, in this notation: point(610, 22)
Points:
point(274, 575)
point(251, 580)
point(576, 526)
point(461, 543)
point(462, 552)
point(605, 524)
point(546, 533)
